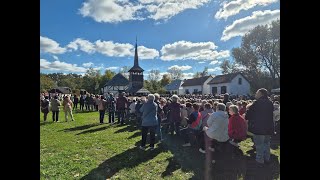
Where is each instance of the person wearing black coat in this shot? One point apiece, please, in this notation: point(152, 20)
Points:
point(260, 123)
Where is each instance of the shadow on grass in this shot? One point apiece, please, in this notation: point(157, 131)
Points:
point(45, 123)
point(128, 159)
point(127, 128)
point(172, 166)
point(81, 127)
point(270, 171)
point(136, 134)
point(275, 142)
point(94, 130)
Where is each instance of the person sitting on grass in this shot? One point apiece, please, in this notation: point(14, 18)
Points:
point(237, 127)
point(217, 129)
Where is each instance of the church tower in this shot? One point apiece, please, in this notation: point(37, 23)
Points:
point(136, 76)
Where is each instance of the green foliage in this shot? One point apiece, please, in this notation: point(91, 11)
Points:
point(258, 57)
point(166, 79)
point(46, 83)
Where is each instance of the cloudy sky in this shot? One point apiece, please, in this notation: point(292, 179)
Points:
point(188, 34)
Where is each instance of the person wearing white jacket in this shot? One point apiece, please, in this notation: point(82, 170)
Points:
point(216, 129)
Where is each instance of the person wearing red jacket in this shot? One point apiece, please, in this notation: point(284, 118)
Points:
point(237, 127)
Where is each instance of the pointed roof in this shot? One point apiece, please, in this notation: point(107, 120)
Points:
point(118, 80)
point(225, 78)
point(136, 67)
point(195, 81)
point(174, 85)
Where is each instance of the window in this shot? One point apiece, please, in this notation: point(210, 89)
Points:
point(187, 91)
point(223, 89)
point(240, 81)
point(214, 90)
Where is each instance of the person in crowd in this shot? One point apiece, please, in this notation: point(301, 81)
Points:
point(206, 113)
point(67, 107)
point(55, 103)
point(138, 113)
point(87, 101)
point(121, 104)
point(194, 125)
point(216, 129)
point(81, 102)
point(149, 121)
point(102, 106)
point(111, 104)
point(75, 102)
point(237, 127)
point(243, 109)
point(226, 98)
point(227, 108)
point(184, 115)
point(260, 123)
point(158, 129)
point(175, 115)
point(45, 107)
point(96, 100)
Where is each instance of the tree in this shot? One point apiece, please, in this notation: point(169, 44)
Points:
point(260, 50)
point(201, 74)
point(124, 71)
point(175, 73)
point(154, 75)
point(166, 79)
point(46, 83)
point(108, 75)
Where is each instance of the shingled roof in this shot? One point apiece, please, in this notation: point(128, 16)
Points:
point(195, 81)
point(225, 78)
point(174, 85)
point(118, 80)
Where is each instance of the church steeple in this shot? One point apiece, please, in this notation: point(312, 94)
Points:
point(136, 62)
point(136, 67)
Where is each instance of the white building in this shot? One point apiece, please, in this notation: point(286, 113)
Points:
point(196, 85)
point(233, 83)
point(174, 87)
point(117, 84)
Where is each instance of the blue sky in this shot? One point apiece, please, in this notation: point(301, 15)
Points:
point(187, 34)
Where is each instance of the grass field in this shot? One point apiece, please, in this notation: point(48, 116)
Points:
point(84, 149)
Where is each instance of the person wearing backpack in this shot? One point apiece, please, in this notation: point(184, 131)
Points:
point(45, 107)
point(194, 125)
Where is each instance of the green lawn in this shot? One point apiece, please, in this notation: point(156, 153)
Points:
point(84, 149)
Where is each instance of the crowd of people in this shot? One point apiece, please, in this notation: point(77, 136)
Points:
point(207, 119)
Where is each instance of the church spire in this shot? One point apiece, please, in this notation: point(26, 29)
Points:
point(136, 63)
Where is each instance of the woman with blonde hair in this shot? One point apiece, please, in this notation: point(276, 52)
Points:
point(67, 107)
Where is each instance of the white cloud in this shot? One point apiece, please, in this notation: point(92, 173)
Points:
point(165, 9)
point(112, 68)
point(214, 62)
point(187, 75)
point(201, 62)
point(60, 66)
point(182, 68)
point(182, 50)
point(110, 11)
point(87, 64)
point(55, 57)
point(234, 7)
point(114, 11)
point(242, 26)
point(109, 48)
point(83, 45)
point(50, 46)
point(214, 69)
point(147, 53)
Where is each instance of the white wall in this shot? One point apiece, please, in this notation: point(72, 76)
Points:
point(233, 87)
point(206, 86)
point(191, 89)
point(236, 88)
